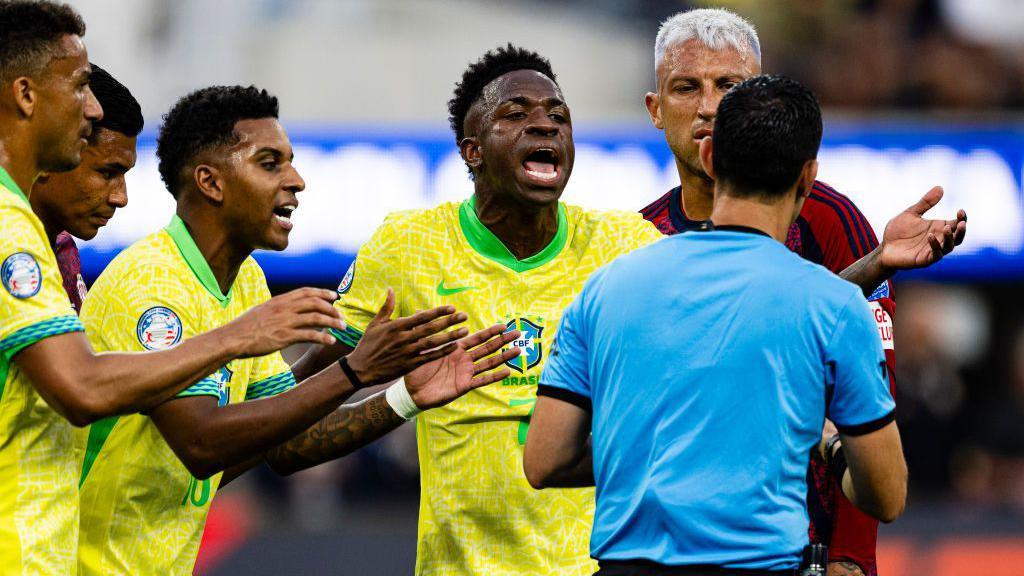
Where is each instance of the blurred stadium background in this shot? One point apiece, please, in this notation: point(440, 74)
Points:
point(918, 93)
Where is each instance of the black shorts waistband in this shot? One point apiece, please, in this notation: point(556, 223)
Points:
point(648, 568)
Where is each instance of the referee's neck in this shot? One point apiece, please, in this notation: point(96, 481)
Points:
point(771, 216)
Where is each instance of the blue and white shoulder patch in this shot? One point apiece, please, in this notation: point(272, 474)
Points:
point(346, 281)
point(158, 328)
point(21, 275)
point(881, 292)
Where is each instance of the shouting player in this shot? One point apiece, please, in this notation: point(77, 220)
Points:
point(50, 378)
point(510, 253)
point(79, 202)
point(699, 56)
point(148, 479)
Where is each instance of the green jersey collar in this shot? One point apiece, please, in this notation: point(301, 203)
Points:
point(7, 182)
point(195, 260)
point(484, 242)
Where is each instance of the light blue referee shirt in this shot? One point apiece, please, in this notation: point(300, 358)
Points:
point(709, 361)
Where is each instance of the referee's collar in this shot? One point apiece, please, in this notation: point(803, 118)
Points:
point(737, 228)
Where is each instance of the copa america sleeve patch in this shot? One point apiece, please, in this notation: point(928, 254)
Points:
point(881, 292)
point(158, 328)
point(346, 281)
point(21, 275)
point(884, 322)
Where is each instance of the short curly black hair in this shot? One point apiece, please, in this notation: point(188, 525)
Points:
point(30, 32)
point(121, 111)
point(203, 120)
point(493, 64)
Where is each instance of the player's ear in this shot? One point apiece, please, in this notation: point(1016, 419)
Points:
point(705, 157)
point(469, 148)
point(24, 92)
point(807, 177)
point(208, 182)
point(653, 103)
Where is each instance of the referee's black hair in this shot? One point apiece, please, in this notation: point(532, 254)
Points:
point(30, 32)
point(493, 64)
point(766, 129)
point(121, 111)
point(203, 120)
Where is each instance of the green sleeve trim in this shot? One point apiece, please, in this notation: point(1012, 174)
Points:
point(271, 386)
point(99, 431)
point(38, 331)
point(350, 337)
point(206, 387)
point(29, 335)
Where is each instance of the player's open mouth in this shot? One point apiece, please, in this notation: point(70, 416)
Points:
point(542, 166)
point(283, 215)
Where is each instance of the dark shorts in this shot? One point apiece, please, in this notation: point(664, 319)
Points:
point(646, 568)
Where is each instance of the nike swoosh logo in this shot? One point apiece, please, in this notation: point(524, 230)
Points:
point(442, 291)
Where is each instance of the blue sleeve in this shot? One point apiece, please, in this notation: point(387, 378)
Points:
point(566, 375)
point(856, 374)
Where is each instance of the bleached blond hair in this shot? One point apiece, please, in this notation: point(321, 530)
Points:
point(716, 28)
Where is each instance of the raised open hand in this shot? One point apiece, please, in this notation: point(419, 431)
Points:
point(470, 366)
point(391, 348)
point(912, 241)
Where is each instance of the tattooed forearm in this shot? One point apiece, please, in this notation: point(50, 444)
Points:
point(866, 273)
point(844, 569)
point(345, 430)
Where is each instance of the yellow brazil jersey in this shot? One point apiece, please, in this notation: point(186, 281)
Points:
point(478, 514)
point(38, 492)
point(142, 512)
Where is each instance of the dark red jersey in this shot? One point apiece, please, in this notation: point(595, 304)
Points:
point(70, 269)
point(830, 231)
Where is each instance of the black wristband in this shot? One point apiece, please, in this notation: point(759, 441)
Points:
point(836, 461)
point(350, 373)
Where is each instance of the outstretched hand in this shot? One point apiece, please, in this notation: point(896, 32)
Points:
point(470, 366)
point(390, 348)
point(912, 241)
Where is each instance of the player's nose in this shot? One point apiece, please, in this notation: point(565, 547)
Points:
point(93, 111)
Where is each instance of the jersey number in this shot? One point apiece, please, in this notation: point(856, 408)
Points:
point(524, 425)
point(198, 493)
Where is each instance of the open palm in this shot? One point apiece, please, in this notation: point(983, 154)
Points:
point(470, 366)
point(912, 241)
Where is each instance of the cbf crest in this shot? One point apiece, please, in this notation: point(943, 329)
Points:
point(158, 328)
point(223, 379)
point(21, 275)
point(529, 342)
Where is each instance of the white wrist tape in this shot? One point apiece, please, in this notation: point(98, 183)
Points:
point(400, 401)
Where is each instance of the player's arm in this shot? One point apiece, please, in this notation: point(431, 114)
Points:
point(876, 475)
point(476, 363)
point(558, 452)
point(209, 438)
point(861, 406)
point(319, 356)
point(909, 241)
point(84, 386)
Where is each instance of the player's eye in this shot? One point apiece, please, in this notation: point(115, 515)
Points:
point(557, 116)
point(684, 88)
point(269, 165)
point(516, 115)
